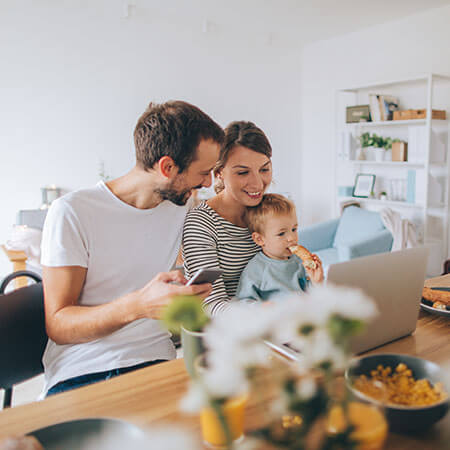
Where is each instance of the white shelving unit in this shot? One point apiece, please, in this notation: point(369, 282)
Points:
point(430, 215)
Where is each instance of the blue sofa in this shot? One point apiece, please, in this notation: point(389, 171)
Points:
point(358, 232)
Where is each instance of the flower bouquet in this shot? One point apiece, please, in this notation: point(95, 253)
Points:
point(307, 407)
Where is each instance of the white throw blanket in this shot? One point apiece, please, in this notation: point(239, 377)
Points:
point(403, 231)
point(27, 240)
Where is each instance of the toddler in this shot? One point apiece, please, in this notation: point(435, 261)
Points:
point(273, 224)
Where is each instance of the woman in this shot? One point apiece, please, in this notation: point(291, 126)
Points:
point(215, 234)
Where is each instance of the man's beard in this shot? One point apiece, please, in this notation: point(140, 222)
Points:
point(173, 194)
point(178, 198)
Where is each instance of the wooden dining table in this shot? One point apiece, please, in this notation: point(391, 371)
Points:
point(151, 396)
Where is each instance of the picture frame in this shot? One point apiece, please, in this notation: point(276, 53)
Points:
point(363, 187)
point(358, 113)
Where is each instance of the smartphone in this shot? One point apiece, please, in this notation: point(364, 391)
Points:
point(204, 276)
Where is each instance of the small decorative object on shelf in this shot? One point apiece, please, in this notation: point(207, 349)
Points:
point(364, 183)
point(398, 189)
point(411, 114)
point(399, 150)
point(382, 107)
point(102, 171)
point(360, 156)
point(383, 195)
point(357, 114)
point(49, 194)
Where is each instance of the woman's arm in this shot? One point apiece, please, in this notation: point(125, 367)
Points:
point(200, 252)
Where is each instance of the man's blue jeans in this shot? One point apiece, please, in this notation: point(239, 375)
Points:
point(90, 378)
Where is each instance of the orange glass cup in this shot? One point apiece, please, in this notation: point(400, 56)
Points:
point(371, 428)
point(212, 429)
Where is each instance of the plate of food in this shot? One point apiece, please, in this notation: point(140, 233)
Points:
point(436, 300)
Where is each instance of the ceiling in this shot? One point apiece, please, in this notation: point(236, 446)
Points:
point(307, 20)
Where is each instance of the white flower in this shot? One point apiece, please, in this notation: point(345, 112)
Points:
point(239, 323)
point(306, 388)
point(347, 302)
point(321, 350)
point(225, 380)
point(292, 314)
point(195, 399)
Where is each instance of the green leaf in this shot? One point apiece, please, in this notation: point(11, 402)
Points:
point(187, 312)
point(306, 329)
point(341, 328)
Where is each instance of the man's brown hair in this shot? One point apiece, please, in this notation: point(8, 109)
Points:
point(174, 129)
point(245, 134)
point(271, 204)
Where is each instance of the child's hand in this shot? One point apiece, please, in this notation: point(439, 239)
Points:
point(316, 275)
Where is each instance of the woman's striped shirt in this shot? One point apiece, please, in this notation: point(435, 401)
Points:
point(211, 242)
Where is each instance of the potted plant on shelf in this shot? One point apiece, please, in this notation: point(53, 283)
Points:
point(380, 145)
point(364, 142)
point(377, 147)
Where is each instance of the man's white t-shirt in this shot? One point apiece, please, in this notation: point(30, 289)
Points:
point(123, 248)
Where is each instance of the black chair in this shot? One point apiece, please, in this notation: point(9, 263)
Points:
point(446, 267)
point(22, 333)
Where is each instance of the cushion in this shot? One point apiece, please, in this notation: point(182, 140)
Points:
point(328, 256)
point(357, 224)
point(318, 236)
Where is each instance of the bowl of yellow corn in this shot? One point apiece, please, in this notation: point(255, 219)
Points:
point(409, 389)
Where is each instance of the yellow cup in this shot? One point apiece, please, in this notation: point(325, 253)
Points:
point(370, 425)
point(212, 430)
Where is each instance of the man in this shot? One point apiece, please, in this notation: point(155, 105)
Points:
point(102, 245)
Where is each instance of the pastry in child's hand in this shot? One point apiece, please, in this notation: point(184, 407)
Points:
point(20, 443)
point(435, 295)
point(305, 255)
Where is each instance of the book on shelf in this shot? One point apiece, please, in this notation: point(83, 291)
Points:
point(415, 191)
point(388, 104)
point(346, 146)
point(382, 107)
point(374, 107)
point(417, 144)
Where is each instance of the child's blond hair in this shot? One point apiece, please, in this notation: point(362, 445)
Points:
point(271, 204)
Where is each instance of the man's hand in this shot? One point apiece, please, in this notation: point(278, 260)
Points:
point(159, 292)
point(316, 275)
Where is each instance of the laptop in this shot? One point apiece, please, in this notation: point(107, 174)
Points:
point(394, 281)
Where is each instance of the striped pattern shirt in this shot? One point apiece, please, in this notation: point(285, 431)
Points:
point(211, 242)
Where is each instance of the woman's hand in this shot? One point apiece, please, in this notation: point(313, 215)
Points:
point(316, 275)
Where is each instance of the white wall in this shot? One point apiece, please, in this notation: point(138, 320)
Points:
point(407, 47)
point(75, 76)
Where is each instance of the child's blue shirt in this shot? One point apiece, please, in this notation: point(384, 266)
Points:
point(264, 277)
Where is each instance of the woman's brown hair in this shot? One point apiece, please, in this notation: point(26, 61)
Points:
point(245, 134)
